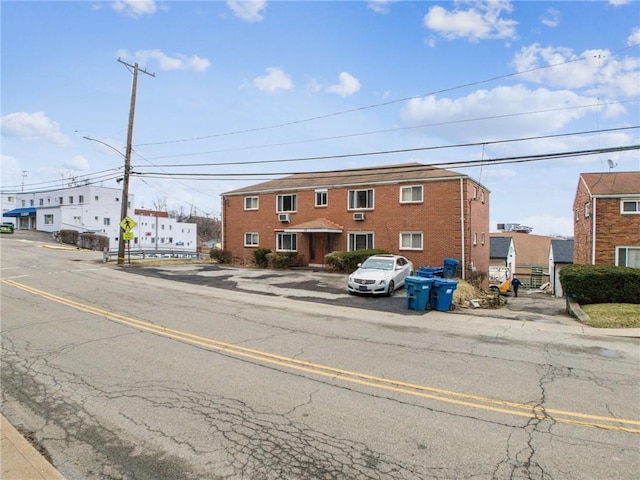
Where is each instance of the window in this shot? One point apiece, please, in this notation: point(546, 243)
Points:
point(81, 199)
point(286, 242)
point(106, 221)
point(96, 198)
point(410, 240)
point(628, 257)
point(162, 227)
point(95, 218)
point(23, 202)
point(77, 220)
point(360, 199)
point(322, 198)
point(482, 238)
point(70, 198)
point(11, 199)
point(60, 200)
point(251, 239)
point(411, 194)
point(48, 219)
point(41, 202)
point(587, 210)
point(360, 241)
point(482, 196)
point(31, 203)
point(475, 238)
point(630, 207)
point(577, 214)
point(251, 203)
point(475, 192)
point(286, 203)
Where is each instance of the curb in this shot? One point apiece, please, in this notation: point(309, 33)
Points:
point(20, 460)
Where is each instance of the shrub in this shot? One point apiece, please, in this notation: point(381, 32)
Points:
point(69, 237)
point(260, 257)
point(281, 259)
point(91, 241)
point(220, 256)
point(601, 283)
point(347, 262)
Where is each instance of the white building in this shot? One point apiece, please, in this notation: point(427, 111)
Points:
point(94, 209)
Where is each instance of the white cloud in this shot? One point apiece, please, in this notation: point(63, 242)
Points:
point(380, 6)
point(634, 38)
point(347, 86)
point(249, 10)
point(135, 8)
point(32, 126)
point(165, 62)
point(482, 20)
point(77, 163)
point(551, 18)
point(596, 70)
point(276, 79)
point(445, 116)
point(617, 3)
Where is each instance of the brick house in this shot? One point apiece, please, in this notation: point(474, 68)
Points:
point(415, 210)
point(531, 257)
point(606, 224)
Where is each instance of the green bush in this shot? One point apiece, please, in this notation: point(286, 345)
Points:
point(221, 256)
point(601, 283)
point(282, 259)
point(347, 262)
point(260, 257)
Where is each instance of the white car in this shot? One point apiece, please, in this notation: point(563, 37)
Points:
point(380, 275)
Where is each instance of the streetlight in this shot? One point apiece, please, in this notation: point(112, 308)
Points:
point(125, 188)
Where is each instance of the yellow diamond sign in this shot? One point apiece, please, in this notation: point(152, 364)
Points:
point(128, 224)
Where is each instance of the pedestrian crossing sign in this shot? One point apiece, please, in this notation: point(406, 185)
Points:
point(128, 224)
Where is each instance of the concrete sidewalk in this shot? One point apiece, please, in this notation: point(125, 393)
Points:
point(19, 460)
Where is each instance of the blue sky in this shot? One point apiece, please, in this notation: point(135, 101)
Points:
point(250, 84)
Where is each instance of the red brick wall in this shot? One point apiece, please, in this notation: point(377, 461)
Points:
point(437, 217)
point(613, 230)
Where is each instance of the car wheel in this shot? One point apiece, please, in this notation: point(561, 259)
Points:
point(392, 287)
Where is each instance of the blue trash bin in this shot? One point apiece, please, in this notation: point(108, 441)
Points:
point(418, 292)
point(450, 267)
point(429, 272)
point(441, 298)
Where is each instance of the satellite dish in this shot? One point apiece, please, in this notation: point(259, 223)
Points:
point(611, 164)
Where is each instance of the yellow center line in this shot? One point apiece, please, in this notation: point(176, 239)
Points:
point(421, 391)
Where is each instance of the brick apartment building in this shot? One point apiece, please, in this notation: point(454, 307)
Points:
point(606, 223)
point(415, 210)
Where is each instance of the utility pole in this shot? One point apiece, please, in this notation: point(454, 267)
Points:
point(24, 175)
point(127, 158)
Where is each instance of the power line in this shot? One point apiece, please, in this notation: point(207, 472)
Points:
point(389, 152)
point(454, 164)
point(382, 104)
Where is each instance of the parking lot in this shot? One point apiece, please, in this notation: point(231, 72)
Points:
point(331, 288)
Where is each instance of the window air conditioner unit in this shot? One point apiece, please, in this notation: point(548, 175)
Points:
point(358, 216)
point(283, 217)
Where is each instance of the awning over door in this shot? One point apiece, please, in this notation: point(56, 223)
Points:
point(319, 225)
point(21, 212)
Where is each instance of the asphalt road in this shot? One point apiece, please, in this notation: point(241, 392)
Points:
point(121, 375)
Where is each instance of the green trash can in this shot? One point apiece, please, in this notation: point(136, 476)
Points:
point(441, 298)
point(418, 292)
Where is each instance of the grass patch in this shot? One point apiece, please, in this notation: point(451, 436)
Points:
point(613, 315)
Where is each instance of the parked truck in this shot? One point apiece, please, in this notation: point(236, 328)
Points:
point(500, 279)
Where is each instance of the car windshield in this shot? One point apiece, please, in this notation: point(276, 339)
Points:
point(378, 264)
